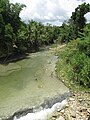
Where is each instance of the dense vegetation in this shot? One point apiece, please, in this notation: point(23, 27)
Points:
point(74, 64)
point(16, 36)
point(19, 37)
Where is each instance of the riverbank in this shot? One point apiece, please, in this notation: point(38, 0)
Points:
point(78, 108)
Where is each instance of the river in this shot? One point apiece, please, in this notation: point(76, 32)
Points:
point(28, 83)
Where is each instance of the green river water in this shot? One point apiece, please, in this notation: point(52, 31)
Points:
point(28, 82)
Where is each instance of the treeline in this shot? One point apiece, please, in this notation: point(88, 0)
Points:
point(74, 27)
point(74, 64)
point(16, 36)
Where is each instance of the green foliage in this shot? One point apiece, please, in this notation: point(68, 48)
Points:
point(76, 62)
point(37, 35)
point(8, 37)
point(84, 46)
point(10, 23)
point(74, 28)
point(78, 18)
point(80, 65)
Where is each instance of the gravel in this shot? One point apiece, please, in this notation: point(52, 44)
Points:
point(78, 108)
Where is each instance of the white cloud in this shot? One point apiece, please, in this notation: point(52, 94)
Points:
point(51, 11)
point(88, 17)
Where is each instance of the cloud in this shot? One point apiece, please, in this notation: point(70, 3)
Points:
point(51, 11)
point(88, 17)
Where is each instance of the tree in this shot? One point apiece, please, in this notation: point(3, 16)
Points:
point(15, 10)
point(74, 28)
point(10, 23)
point(8, 40)
point(78, 18)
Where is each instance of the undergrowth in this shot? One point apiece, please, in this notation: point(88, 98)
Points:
point(73, 66)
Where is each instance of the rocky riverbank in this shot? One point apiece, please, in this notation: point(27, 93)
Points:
point(78, 108)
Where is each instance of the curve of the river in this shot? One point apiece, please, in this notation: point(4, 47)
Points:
point(28, 83)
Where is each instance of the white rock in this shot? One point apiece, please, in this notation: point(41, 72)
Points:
point(71, 99)
point(62, 111)
point(73, 114)
point(60, 118)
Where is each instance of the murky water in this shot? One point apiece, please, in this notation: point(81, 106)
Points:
point(28, 83)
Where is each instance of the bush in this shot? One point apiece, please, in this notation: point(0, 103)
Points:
point(76, 62)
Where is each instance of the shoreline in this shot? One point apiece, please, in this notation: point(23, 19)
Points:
point(78, 107)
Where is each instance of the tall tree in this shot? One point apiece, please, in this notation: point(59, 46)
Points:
point(78, 18)
point(10, 23)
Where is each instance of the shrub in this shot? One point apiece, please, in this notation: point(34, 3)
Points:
point(76, 62)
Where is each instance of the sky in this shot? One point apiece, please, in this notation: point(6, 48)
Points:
point(54, 12)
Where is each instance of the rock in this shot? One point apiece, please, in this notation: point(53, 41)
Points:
point(71, 99)
point(80, 99)
point(73, 114)
point(88, 110)
point(67, 106)
point(60, 118)
point(62, 111)
point(63, 80)
point(54, 116)
point(83, 110)
point(77, 108)
point(89, 118)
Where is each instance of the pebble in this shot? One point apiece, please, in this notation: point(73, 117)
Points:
point(62, 111)
point(80, 100)
point(88, 110)
point(60, 118)
point(78, 108)
point(71, 99)
point(83, 110)
point(73, 114)
point(89, 118)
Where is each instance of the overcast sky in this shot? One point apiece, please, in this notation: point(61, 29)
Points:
point(49, 11)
